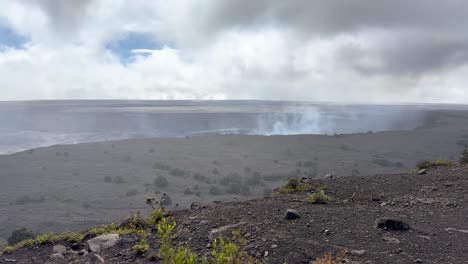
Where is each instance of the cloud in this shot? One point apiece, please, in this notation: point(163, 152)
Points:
point(357, 51)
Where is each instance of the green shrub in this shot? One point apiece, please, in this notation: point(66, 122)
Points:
point(318, 197)
point(19, 235)
point(156, 215)
point(425, 164)
point(231, 252)
point(294, 185)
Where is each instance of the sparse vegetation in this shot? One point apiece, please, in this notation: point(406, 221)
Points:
point(161, 182)
point(463, 160)
point(19, 235)
point(318, 197)
point(142, 247)
point(425, 164)
point(230, 252)
point(328, 258)
point(46, 239)
point(294, 185)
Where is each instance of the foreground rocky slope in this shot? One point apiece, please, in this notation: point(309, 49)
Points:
point(433, 205)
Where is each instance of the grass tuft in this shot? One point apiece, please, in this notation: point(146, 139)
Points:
point(293, 186)
point(318, 197)
point(328, 258)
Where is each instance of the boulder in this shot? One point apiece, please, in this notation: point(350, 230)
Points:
point(422, 171)
point(102, 242)
point(59, 249)
point(57, 256)
point(291, 214)
point(389, 223)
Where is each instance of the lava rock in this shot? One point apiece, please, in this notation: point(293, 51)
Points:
point(102, 242)
point(389, 223)
point(95, 258)
point(59, 249)
point(291, 214)
point(75, 246)
point(57, 256)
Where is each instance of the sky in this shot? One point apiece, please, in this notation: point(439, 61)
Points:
point(362, 51)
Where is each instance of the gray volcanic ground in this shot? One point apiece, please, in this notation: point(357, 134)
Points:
point(197, 152)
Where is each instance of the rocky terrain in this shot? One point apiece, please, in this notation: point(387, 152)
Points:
point(74, 187)
point(392, 218)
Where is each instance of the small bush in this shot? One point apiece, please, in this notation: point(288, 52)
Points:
point(441, 163)
point(161, 182)
point(107, 179)
point(134, 221)
point(141, 248)
point(131, 192)
point(318, 197)
point(294, 185)
point(463, 160)
point(19, 235)
point(156, 215)
point(426, 164)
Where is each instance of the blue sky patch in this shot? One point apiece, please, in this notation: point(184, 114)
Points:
point(123, 46)
point(9, 38)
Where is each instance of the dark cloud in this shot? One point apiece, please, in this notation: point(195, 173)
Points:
point(424, 35)
point(64, 16)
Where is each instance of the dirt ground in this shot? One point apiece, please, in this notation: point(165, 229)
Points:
point(73, 187)
point(434, 205)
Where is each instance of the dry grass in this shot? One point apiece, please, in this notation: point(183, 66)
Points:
point(328, 258)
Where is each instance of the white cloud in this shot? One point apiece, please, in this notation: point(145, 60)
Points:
point(66, 57)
